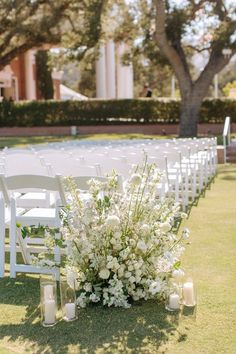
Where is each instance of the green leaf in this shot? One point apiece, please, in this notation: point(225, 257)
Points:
point(177, 265)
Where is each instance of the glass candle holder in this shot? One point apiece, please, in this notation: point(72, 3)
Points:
point(189, 296)
point(48, 301)
point(68, 301)
point(189, 293)
point(173, 301)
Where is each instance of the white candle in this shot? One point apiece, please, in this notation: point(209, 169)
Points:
point(188, 294)
point(174, 302)
point(50, 311)
point(48, 292)
point(70, 310)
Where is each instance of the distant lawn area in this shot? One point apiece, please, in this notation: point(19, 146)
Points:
point(24, 141)
point(210, 259)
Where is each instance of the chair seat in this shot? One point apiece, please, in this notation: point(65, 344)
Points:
point(42, 216)
point(41, 213)
point(35, 199)
point(19, 211)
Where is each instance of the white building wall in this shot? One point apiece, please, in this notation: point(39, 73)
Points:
point(101, 89)
point(124, 74)
point(121, 72)
point(113, 79)
point(30, 81)
point(110, 70)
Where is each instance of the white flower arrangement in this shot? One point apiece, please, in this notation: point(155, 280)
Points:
point(122, 246)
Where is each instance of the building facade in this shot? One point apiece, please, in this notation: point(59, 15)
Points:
point(18, 80)
point(114, 79)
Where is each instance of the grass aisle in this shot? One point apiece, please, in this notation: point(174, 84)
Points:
point(145, 328)
point(211, 260)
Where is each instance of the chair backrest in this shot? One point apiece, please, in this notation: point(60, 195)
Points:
point(82, 184)
point(27, 182)
point(4, 189)
point(31, 182)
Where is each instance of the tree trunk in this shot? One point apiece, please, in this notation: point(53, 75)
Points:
point(189, 115)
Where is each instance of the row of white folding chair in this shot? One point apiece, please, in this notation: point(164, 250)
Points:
point(172, 183)
point(43, 216)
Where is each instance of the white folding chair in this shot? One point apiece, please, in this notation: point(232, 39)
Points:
point(31, 217)
point(2, 237)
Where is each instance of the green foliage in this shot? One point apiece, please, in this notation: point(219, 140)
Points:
point(228, 87)
point(215, 110)
point(98, 112)
point(24, 24)
point(44, 79)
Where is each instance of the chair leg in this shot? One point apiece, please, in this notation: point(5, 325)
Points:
point(12, 233)
point(2, 239)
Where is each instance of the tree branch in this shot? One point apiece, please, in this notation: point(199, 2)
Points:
point(176, 57)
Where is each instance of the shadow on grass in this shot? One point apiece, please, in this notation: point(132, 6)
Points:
point(107, 329)
point(226, 174)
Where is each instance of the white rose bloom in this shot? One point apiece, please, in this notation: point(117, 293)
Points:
point(87, 287)
point(155, 287)
point(178, 274)
point(128, 274)
point(132, 279)
point(117, 234)
point(120, 272)
point(94, 298)
point(141, 245)
point(165, 227)
point(135, 179)
point(82, 300)
point(109, 265)
point(113, 241)
point(112, 221)
point(132, 242)
point(104, 273)
point(145, 229)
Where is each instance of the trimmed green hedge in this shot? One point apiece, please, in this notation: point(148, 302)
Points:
point(95, 112)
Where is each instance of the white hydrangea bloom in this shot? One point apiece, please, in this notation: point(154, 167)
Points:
point(113, 221)
point(165, 227)
point(135, 179)
point(155, 287)
point(141, 245)
point(104, 273)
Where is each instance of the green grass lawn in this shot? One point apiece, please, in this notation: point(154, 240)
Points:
point(210, 259)
point(25, 140)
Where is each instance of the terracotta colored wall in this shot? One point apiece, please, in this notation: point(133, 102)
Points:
point(18, 67)
point(160, 129)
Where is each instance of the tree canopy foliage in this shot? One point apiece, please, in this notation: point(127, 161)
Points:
point(25, 24)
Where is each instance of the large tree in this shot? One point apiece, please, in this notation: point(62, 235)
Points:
point(195, 26)
point(189, 35)
point(184, 28)
point(25, 24)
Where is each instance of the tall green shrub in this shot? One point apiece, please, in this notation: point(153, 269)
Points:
point(43, 72)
